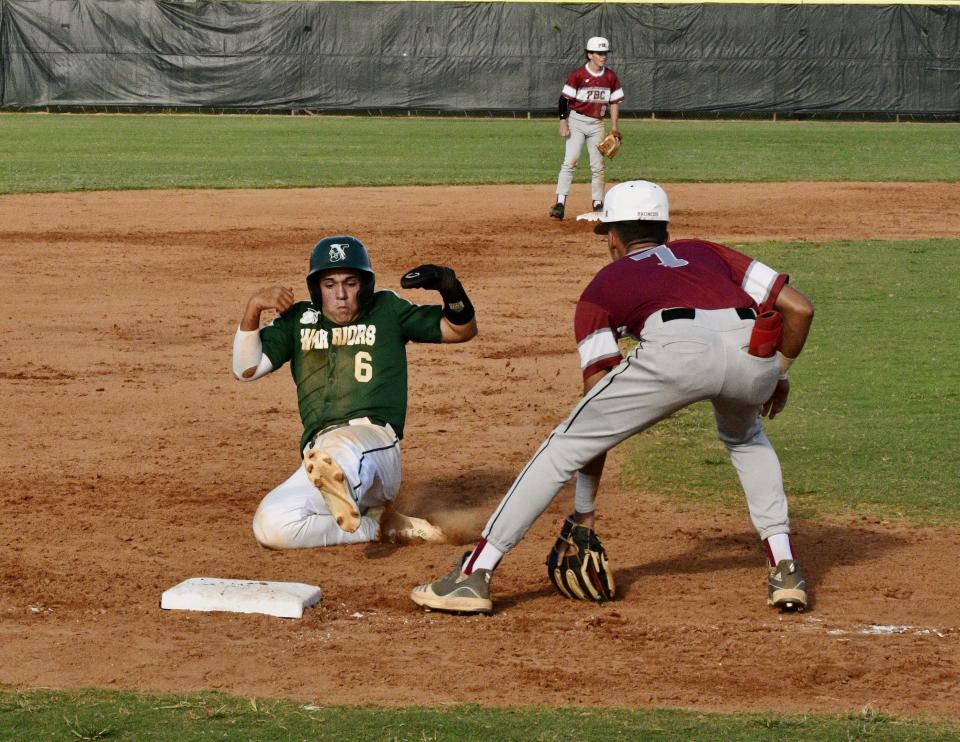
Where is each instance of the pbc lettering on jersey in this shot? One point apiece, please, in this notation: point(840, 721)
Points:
point(349, 335)
point(591, 94)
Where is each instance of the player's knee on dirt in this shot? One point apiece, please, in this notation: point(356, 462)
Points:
point(267, 530)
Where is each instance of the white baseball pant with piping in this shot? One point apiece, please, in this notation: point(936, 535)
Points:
point(295, 516)
point(675, 364)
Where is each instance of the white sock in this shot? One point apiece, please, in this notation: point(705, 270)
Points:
point(778, 548)
point(561, 199)
point(484, 556)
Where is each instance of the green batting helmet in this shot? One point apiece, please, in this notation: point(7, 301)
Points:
point(340, 252)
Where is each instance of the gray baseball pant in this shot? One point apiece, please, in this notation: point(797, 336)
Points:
point(675, 364)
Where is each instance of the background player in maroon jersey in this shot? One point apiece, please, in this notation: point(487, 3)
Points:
point(690, 304)
point(587, 94)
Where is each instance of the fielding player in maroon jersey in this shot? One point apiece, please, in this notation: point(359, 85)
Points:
point(589, 91)
point(690, 304)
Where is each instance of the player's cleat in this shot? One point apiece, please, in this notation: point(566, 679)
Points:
point(324, 474)
point(598, 205)
point(787, 588)
point(397, 528)
point(456, 592)
point(557, 211)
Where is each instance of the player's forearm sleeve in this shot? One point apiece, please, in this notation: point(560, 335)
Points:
point(563, 107)
point(248, 353)
point(586, 492)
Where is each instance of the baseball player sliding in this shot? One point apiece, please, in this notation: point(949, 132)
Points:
point(347, 352)
point(691, 306)
point(589, 91)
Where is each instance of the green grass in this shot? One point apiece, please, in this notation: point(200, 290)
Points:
point(69, 152)
point(91, 715)
point(871, 425)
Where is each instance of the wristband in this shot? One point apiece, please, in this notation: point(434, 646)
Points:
point(456, 305)
point(785, 363)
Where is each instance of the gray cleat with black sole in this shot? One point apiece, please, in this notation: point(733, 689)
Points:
point(787, 588)
point(456, 592)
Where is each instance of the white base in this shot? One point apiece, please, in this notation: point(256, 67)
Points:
point(283, 599)
point(590, 216)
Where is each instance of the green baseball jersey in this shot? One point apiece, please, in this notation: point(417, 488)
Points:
point(353, 370)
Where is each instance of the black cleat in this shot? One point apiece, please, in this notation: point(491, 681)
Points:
point(557, 211)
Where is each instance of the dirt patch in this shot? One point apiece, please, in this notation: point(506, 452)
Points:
point(132, 460)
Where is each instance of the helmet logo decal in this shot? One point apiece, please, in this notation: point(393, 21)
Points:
point(338, 251)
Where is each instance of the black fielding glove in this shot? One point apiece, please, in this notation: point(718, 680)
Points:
point(456, 304)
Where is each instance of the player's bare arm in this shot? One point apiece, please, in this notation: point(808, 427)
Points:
point(451, 333)
point(588, 478)
point(249, 363)
point(797, 312)
point(615, 120)
point(278, 298)
point(458, 323)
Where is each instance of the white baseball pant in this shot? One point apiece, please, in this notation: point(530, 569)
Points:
point(295, 516)
point(675, 364)
point(583, 129)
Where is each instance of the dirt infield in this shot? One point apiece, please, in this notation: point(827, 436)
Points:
point(132, 460)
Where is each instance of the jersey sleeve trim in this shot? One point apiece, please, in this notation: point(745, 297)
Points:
point(569, 92)
point(617, 95)
point(759, 281)
point(598, 350)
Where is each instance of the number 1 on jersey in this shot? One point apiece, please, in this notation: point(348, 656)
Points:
point(664, 255)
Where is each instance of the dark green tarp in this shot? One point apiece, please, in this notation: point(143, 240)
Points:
point(447, 56)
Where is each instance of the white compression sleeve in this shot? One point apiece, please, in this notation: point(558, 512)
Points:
point(585, 492)
point(248, 353)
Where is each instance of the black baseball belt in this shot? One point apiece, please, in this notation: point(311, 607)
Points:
point(689, 313)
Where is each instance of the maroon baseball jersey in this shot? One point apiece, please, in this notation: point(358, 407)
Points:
point(591, 94)
point(683, 273)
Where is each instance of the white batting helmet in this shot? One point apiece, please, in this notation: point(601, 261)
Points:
point(634, 200)
point(598, 44)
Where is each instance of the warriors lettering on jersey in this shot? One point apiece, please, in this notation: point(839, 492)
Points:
point(349, 335)
point(590, 94)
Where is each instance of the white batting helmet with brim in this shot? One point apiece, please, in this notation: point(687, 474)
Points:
point(634, 200)
point(598, 44)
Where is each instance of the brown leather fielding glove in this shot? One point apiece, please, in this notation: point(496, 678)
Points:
point(610, 144)
point(582, 572)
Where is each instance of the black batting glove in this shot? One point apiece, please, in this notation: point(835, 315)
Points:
point(433, 277)
point(456, 305)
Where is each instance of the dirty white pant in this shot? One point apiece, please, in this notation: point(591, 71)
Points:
point(675, 364)
point(583, 129)
point(295, 516)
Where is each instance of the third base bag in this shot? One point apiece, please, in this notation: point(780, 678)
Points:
point(767, 334)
